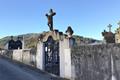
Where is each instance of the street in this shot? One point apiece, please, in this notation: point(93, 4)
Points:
point(9, 71)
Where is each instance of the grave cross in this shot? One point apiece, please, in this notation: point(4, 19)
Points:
point(50, 19)
point(109, 26)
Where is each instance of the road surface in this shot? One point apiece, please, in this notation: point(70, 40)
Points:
point(10, 71)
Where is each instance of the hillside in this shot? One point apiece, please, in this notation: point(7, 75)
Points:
point(31, 40)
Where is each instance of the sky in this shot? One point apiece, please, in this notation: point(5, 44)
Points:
point(87, 18)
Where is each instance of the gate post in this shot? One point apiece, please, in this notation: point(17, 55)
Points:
point(65, 59)
point(40, 56)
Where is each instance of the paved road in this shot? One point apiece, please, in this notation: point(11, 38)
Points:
point(9, 71)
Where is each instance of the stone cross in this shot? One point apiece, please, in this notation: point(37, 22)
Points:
point(119, 23)
point(109, 26)
point(50, 19)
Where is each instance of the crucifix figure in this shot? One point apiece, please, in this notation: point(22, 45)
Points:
point(119, 23)
point(50, 19)
point(109, 26)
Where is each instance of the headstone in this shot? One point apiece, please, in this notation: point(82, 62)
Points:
point(109, 37)
point(109, 26)
point(11, 44)
point(18, 44)
point(69, 31)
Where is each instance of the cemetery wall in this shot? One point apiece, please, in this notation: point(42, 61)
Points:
point(96, 62)
point(7, 53)
point(26, 56)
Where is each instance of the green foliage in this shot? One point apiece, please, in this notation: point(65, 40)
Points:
point(31, 40)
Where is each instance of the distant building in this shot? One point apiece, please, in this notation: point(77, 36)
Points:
point(117, 34)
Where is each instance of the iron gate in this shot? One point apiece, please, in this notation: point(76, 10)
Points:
point(51, 50)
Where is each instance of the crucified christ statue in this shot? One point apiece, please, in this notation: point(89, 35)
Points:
point(50, 19)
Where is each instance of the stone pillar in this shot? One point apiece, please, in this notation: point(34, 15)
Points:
point(65, 59)
point(17, 55)
point(40, 56)
point(62, 62)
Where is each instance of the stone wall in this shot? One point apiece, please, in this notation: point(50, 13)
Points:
point(7, 53)
point(17, 55)
point(96, 62)
point(26, 56)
